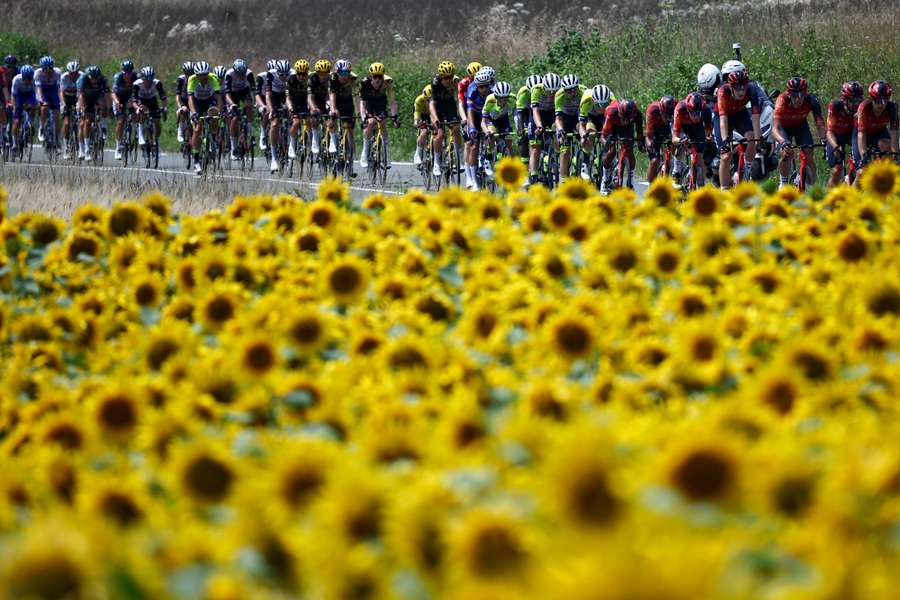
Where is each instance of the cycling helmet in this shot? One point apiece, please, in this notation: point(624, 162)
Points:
point(694, 102)
point(72, 66)
point(301, 67)
point(93, 71)
point(376, 69)
point(482, 77)
point(446, 69)
point(426, 91)
point(852, 89)
point(147, 73)
point(797, 85)
point(282, 67)
point(342, 66)
point(570, 82)
point(127, 65)
point(552, 82)
point(219, 72)
point(667, 104)
point(501, 89)
point(627, 108)
point(533, 80)
point(201, 67)
point(738, 78)
point(10, 60)
point(473, 68)
point(733, 66)
point(187, 68)
point(239, 66)
point(600, 94)
point(709, 78)
point(880, 89)
point(46, 62)
point(27, 72)
point(270, 64)
point(323, 66)
point(489, 70)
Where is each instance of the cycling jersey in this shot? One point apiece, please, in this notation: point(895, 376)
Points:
point(203, 91)
point(566, 104)
point(789, 115)
point(474, 100)
point(141, 92)
point(69, 83)
point(657, 125)
point(543, 101)
point(275, 83)
point(839, 120)
point(92, 87)
point(298, 87)
point(181, 87)
point(376, 99)
point(420, 108)
point(444, 98)
point(123, 82)
point(727, 104)
point(23, 89)
point(587, 108)
point(462, 88)
point(494, 111)
point(7, 75)
point(260, 87)
point(523, 98)
point(870, 123)
point(614, 119)
point(235, 83)
point(685, 120)
point(318, 89)
point(48, 81)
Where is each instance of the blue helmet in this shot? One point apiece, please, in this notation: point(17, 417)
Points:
point(127, 65)
point(10, 60)
point(46, 62)
point(27, 72)
point(240, 66)
point(93, 71)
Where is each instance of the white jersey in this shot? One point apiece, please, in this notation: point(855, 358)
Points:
point(147, 92)
point(69, 82)
point(20, 87)
point(275, 83)
point(47, 79)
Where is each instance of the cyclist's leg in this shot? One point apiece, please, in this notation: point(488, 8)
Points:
point(724, 154)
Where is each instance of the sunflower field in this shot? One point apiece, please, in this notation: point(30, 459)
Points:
point(457, 395)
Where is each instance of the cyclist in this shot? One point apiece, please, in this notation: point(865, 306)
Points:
point(341, 98)
point(694, 122)
point(181, 100)
point(443, 108)
point(523, 114)
point(462, 88)
point(731, 114)
point(376, 91)
point(479, 90)
point(709, 79)
point(261, 105)
point(93, 101)
point(68, 90)
point(203, 95)
point(122, 84)
point(658, 131)
point(790, 125)
point(297, 90)
point(239, 87)
point(148, 98)
point(839, 122)
point(495, 118)
point(876, 124)
point(420, 122)
point(276, 99)
point(543, 108)
point(625, 123)
point(24, 99)
point(591, 117)
point(317, 99)
point(7, 72)
point(567, 104)
point(46, 84)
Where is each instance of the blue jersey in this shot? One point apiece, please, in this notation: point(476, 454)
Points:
point(123, 83)
point(474, 100)
point(92, 86)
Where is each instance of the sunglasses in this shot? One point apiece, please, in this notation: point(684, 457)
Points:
point(879, 100)
point(738, 87)
point(343, 73)
point(377, 76)
point(446, 77)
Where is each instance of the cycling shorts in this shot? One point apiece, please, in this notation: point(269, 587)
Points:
point(739, 121)
point(447, 111)
point(376, 106)
point(152, 105)
point(301, 110)
point(70, 102)
point(570, 122)
point(23, 101)
point(695, 132)
point(51, 97)
point(842, 140)
point(203, 106)
point(624, 133)
point(799, 135)
point(594, 122)
point(278, 100)
point(90, 102)
point(241, 96)
point(124, 99)
point(502, 125)
point(872, 140)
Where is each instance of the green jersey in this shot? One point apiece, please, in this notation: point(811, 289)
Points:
point(589, 108)
point(543, 101)
point(496, 109)
point(523, 98)
point(568, 104)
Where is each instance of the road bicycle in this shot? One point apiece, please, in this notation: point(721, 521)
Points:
point(282, 139)
point(620, 166)
point(425, 169)
point(491, 149)
point(343, 159)
point(548, 162)
point(129, 139)
point(96, 141)
point(208, 145)
point(589, 164)
point(378, 159)
point(71, 141)
point(25, 140)
point(302, 150)
point(245, 149)
point(739, 167)
point(802, 176)
point(150, 150)
point(694, 175)
point(51, 143)
point(451, 168)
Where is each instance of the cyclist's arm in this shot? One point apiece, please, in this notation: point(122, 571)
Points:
point(363, 110)
point(638, 126)
point(432, 108)
point(392, 100)
point(895, 142)
point(332, 99)
point(893, 127)
point(39, 89)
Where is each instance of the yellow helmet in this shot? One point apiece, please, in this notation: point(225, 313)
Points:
point(376, 69)
point(426, 91)
point(447, 69)
point(323, 66)
point(473, 68)
point(301, 66)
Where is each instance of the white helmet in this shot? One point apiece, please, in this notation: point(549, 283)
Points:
point(72, 66)
point(533, 80)
point(342, 65)
point(552, 82)
point(482, 77)
point(570, 82)
point(501, 89)
point(282, 67)
point(709, 77)
point(201, 67)
point(489, 71)
point(733, 66)
point(600, 94)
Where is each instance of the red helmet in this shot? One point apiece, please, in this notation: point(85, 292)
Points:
point(738, 78)
point(880, 89)
point(797, 85)
point(852, 89)
point(694, 102)
point(627, 108)
point(667, 104)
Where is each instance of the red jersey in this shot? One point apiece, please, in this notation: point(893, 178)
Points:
point(656, 120)
point(788, 115)
point(684, 118)
point(839, 120)
point(615, 119)
point(868, 121)
point(5, 82)
point(463, 87)
point(727, 104)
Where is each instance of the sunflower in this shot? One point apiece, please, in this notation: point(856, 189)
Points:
point(777, 389)
point(64, 431)
point(88, 215)
point(333, 189)
point(510, 173)
point(148, 291)
point(347, 279)
point(490, 545)
point(882, 298)
point(881, 179)
point(258, 356)
point(582, 490)
point(706, 201)
point(662, 192)
point(116, 412)
point(571, 336)
point(704, 471)
point(300, 472)
point(667, 259)
point(82, 246)
point(158, 203)
point(353, 505)
point(125, 218)
point(218, 308)
point(45, 230)
point(559, 214)
point(575, 188)
point(50, 563)
point(307, 329)
point(322, 214)
point(852, 246)
point(205, 475)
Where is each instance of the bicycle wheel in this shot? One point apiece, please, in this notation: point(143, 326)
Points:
point(426, 167)
point(383, 164)
point(374, 157)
